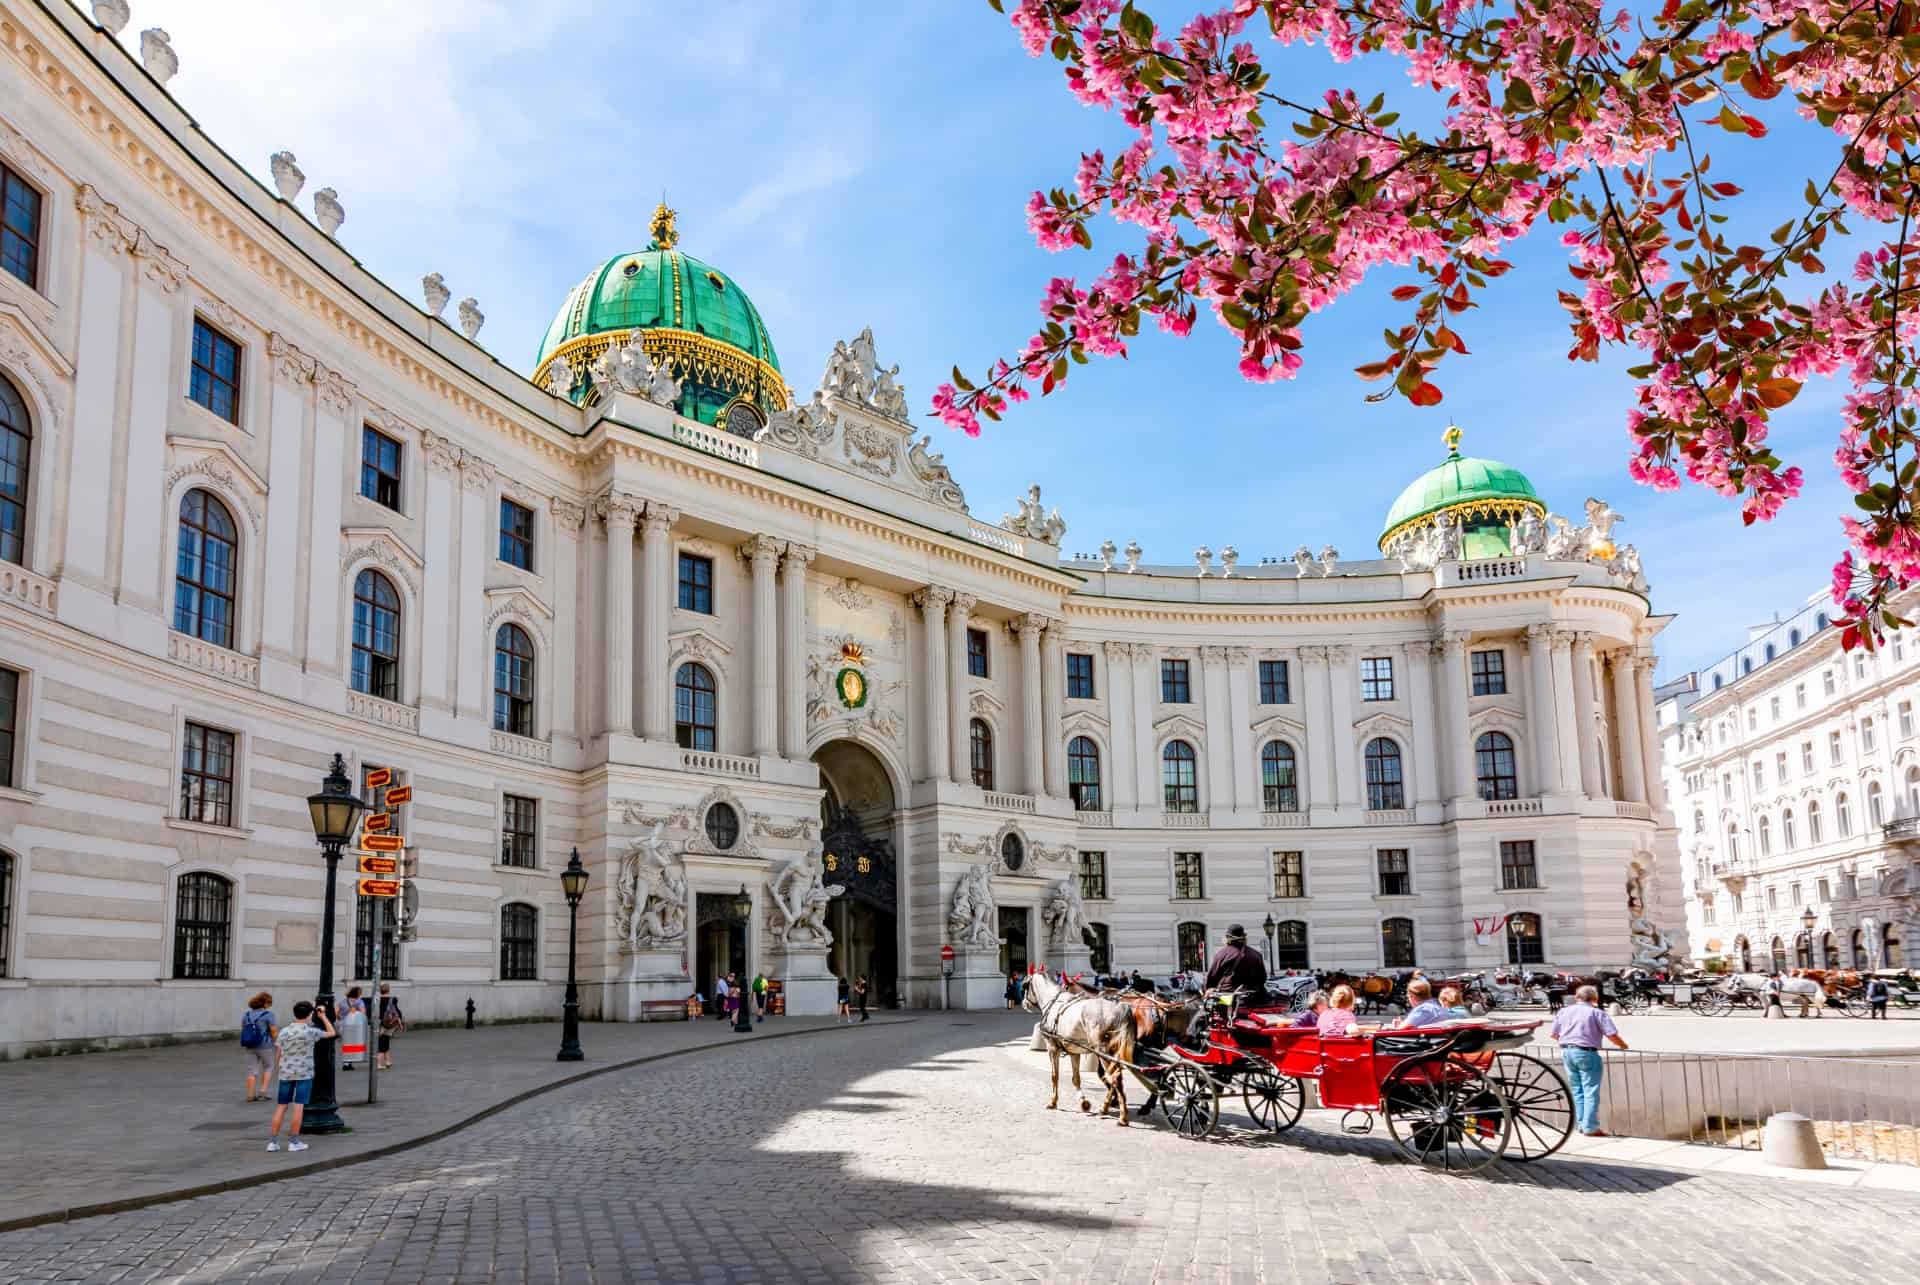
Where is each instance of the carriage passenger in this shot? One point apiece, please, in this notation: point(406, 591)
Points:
point(1453, 1002)
point(1426, 1010)
point(1339, 1018)
point(1316, 1007)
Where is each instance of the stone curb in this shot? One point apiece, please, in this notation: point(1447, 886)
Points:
point(73, 1212)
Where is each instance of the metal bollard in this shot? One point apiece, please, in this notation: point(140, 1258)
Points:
point(469, 1012)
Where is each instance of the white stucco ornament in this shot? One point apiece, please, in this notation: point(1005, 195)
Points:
point(799, 901)
point(560, 377)
point(327, 210)
point(288, 178)
point(471, 318)
point(1133, 552)
point(113, 15)
point(973, 919)
point(1329, 559)
point(434, 288)
point(1302, 559)
point(157, 55)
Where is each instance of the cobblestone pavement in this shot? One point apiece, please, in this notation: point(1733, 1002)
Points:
point(922, 1151)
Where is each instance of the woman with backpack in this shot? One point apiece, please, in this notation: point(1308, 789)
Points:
point(257, 1034)
point(392, 1023)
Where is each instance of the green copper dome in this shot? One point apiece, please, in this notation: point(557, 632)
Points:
point(689, 314)
point(1484, 496)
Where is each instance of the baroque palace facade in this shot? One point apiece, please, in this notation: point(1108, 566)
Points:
point(739, 647)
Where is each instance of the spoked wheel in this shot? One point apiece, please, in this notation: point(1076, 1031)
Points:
point(1190, 1101)
point(1542, 1105)
point(1856, 1006)
point(1446, 1115)
point(1274, 1101)
point(1632, 1002)
point(1712, 1004)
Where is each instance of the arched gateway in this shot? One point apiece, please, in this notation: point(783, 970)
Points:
point(858, 820)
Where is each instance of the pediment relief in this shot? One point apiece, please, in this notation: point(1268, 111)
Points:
point(1280, 725)
point(985, 702)
point(522, 600)
point(1497, 720)
point(186, 449)
point(522, 608)
point(1906, 754)
point(1381, 724)
point(25, 352)
point(381, 546)
point(1082, 722)
point(696, 644)
point(1180, 725)
point(214, 463)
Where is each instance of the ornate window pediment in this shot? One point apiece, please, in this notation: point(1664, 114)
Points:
point(24, 348)
point(1383, 724)
point(216, 462)
point(1289, 729)
point(696, 644)
point(385, 548)
point(1183, 726)
point(1085, 723)
point(985, 704)
point(519, 606)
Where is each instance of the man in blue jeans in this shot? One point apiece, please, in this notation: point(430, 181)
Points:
point(1580, 1027)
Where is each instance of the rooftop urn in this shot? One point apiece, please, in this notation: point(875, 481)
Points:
point(112, 15)
point(434, 288)
point(287, 176)
point(327, 210)
point(471, 318)
point(157, 55)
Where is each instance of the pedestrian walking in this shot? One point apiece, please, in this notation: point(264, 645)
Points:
point(860, 993)
point(296, 1041)
point(393, 1022)
point(720, 998)
point(846, 998)
point(257, 1033)
point(736, 996)
point(1013, 990)
point(1877, 996)
point(759, 997)
point(1580, 1028)
point(353, 1029)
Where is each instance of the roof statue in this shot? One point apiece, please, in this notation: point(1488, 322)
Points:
point(665, 234)
point(1032, 520)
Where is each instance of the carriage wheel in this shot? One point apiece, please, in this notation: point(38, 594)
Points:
point(1446, 1115)
point(1712, 1004)
point(1856, 1005)
point(1190, 1101)
point(1541, 1102)
point(1274, 1101)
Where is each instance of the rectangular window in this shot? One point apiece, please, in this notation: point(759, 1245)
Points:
point(1859, 665)
point(1773, 899)
point(1093, 876)
point(1273, 683)
point(1806, 757)
point(1759, 777)
point(1376, 678)
point(1079, 676)
point(1773, 709)
point(1753, 720)
point(1780, 767)
point(1800, 696)
point(1726, 786)
point(519, 943)
point(1289, 874)
point(202, 925)
point(519, 825)
point(1175, 684)
point(1906, 719)
point(516, 534)
point(1396, 878)
point(977, 653)
point(9, 733)
point(1866, 734)
point(214, 379)
point(367, 912)
point(1489, 673)
point(19, 228)
point(1517, 869)
point(696, 584)
point(1826, 890)
point(1793, 893)
point(1739, 903)
point(380, 468)
point(1706, 910)
point(206, 776)
point(1833, 748)
point(1189, 882)
point(1826, 680)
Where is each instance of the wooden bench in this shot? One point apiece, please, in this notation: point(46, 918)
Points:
point(663, 1010)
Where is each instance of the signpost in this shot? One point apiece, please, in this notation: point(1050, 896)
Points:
point(376, 865)
point(379, 857)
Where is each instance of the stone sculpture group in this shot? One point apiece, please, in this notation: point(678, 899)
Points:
point(799, 901)
point(652, 895)
point(1032, 520)
point(628, 369)
point(973, 920)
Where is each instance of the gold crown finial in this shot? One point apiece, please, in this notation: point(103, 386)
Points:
point(665, 234)
point(1452, 438)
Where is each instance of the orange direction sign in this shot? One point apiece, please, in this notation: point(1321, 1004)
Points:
point(379, 777)
point(379, 887)
point(377, 865)
point(399, 794)
point(383, 842)
point(377, 821)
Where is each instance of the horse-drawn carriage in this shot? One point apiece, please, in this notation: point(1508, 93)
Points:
point(1456, 1096)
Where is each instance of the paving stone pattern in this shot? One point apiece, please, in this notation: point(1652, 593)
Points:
point(922, 1151)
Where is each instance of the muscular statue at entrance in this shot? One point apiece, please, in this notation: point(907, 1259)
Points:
point(1065, 915)
point(799, 901)
point(652, 911)
point(1651, 949)
point(974, 919)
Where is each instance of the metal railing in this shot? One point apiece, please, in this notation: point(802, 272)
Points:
point(1862, 1108)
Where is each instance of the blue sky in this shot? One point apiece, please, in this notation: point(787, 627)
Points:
point(848, 172)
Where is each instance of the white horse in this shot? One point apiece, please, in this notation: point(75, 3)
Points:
point(1808, 993)
point(1074, 1022)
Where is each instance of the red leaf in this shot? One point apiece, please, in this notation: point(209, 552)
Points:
point(1404, 293)
point(1374, 370)
point(1775, 393)
point(1425, 395)
point(1755, 129)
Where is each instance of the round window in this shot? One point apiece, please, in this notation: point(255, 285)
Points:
point(1013, 853)
point(632, 269)
point(742, 421)
point(723, 826)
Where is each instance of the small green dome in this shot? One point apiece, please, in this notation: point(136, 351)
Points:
point(1483, 495)
point(691, 314)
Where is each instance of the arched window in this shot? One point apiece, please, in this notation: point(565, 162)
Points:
point(1180, 777)
point(1765, 829)
point(1829, 950)
point(696, 709)
point(1493, 760)
point(513, 681)
point(1820, 621)
point(1779, 955)
point(1396, 943)
point(1192, 938)
point(1891, 955)
point(1746, 664)
point(16, 457)
point(1769, 651)
point(1279, 782)
point(1743, 950)
point(6, 909)
point(1733, 843)
point(1876, 809)
point(1913, 791)
point(1813, 821)
point(202, 925)
point(1717, 680)
point(1524, 943)
point(1083, 774)
point(206, 570)
point(1842, 816)
point(376, 636)
point(1099, 943)
point(519, 942)
point(1290, 945)
point(1787, 836)
point(980, 752)
point(1858, 947)
point(1384, 786)
point(1793, 637)
point(1803, 951)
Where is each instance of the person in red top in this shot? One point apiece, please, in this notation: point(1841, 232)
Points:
point(1236, 967)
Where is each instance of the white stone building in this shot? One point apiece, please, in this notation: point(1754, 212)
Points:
point(1794, 770)
point(256, 508)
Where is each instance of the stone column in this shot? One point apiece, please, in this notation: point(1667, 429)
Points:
point(1145, 677)
point(1320, 751)
point(1583, 694)
point(1650, 730)
point(1426, 717)
point(1460, 774)
point(1542, 721)
point(762, 553)
point(1122, 775)
point(1053, 709)
point(1626, 719)
point(479, 528)
point(1341, 687)
point(1566, 730)
point(656, 597)
point(1034, 769)
point(564, 560)
point(932, 602)
point(960, 764)
point(619, 512)
point(1214, 713)
point(793, 649)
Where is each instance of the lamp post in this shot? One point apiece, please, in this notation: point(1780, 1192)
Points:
point(573, 882)
point(1807, 920)
point(334, 811)
point(1268, 926)
point(743, 911)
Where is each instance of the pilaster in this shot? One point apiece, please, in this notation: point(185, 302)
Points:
point(959, 763)
point(793, 649)
point(1542, 719)
point(932, 602)
point(1053, 677)
point(762, 554)
point(1425, 710)
point(656, 597)
point(1461, 777)
point(1033, 771)
point(1320, 747)
point(1341, 685)
point(620, 513)
point(1123, 776)
point(1583, 707)
point(1626, 717)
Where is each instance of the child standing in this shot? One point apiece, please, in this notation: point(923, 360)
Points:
point(296, 1071)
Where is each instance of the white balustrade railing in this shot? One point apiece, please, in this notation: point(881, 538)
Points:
point(1283, 820)
point(1633, 811)
point(720, 764)
point(386, 713)
point(1514, 807)
point(202, 655)
point(1390, 816)
point(1009, 802)
point(1005, 541)
point(1095, 820)
point(522, 747)
point(714, 442)
point(1184, 820)
point(17, 584)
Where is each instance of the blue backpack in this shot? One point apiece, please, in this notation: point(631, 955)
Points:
point(253, 1028)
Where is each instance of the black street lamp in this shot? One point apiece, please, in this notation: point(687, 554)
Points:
point(743, 911)
point(573, 882)
point(334, 811)
point(1269, 926)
